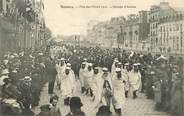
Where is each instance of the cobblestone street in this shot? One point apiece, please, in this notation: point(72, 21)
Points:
point(138, 107)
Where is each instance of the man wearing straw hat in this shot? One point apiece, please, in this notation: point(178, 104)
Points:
point(26, 90)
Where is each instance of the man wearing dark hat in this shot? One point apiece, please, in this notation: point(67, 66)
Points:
point(104, 111)
point(75, 107)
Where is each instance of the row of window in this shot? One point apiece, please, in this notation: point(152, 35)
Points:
point(171, 27)
point(153, 26)
point(176, 41)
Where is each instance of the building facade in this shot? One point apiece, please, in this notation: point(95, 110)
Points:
point(134, 31)
point(105, 33)
point(21, 24)
point(171, 32)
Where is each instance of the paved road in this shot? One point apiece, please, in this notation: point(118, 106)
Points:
point(133, 107)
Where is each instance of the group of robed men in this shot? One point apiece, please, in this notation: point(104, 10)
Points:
point(104, 87)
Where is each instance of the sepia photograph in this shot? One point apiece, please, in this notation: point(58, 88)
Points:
point(91, 57)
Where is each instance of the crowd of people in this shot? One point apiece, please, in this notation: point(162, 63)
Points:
point(21, 80)
point(107, 76)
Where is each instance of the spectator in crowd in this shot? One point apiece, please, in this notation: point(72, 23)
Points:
point(55, 111)
point(104, 111)
point(75, 107)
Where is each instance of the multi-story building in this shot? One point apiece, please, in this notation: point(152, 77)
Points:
point(21, 24)
point(106, 33)
point(166, 31)
point(134, 31)
point(131, 31)
point(170, 32)
point(155, 13)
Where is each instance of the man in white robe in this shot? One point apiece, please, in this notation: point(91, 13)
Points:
point(135, 80)
point(105, 91)
point(118, 92)
point(125, 73)
point(96, 84)
point(66, 86)
point(60, 68)
point(88, 75)
point(113, 67)
point(72, 77)
point(82, 70)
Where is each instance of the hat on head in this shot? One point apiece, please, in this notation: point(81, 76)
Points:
point(12, 56)
point(68, 68)
point(5, 71)
point(27, 78)
point(126, 64)
point(105, 69)
point(135, 64)
point(83, 63)
point(90, 64)
point(62, 59)
point(152, 72)
point(141, 55)
point(85, 59)
point(115, 59)
point(118, 70)
point(75, 102)
point(119, 63)
point(16, 55)
point(68, 64)
point(14, 71)
point(5, 61)
point(41, 54)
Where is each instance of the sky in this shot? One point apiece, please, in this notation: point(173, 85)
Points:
point(68, 21)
